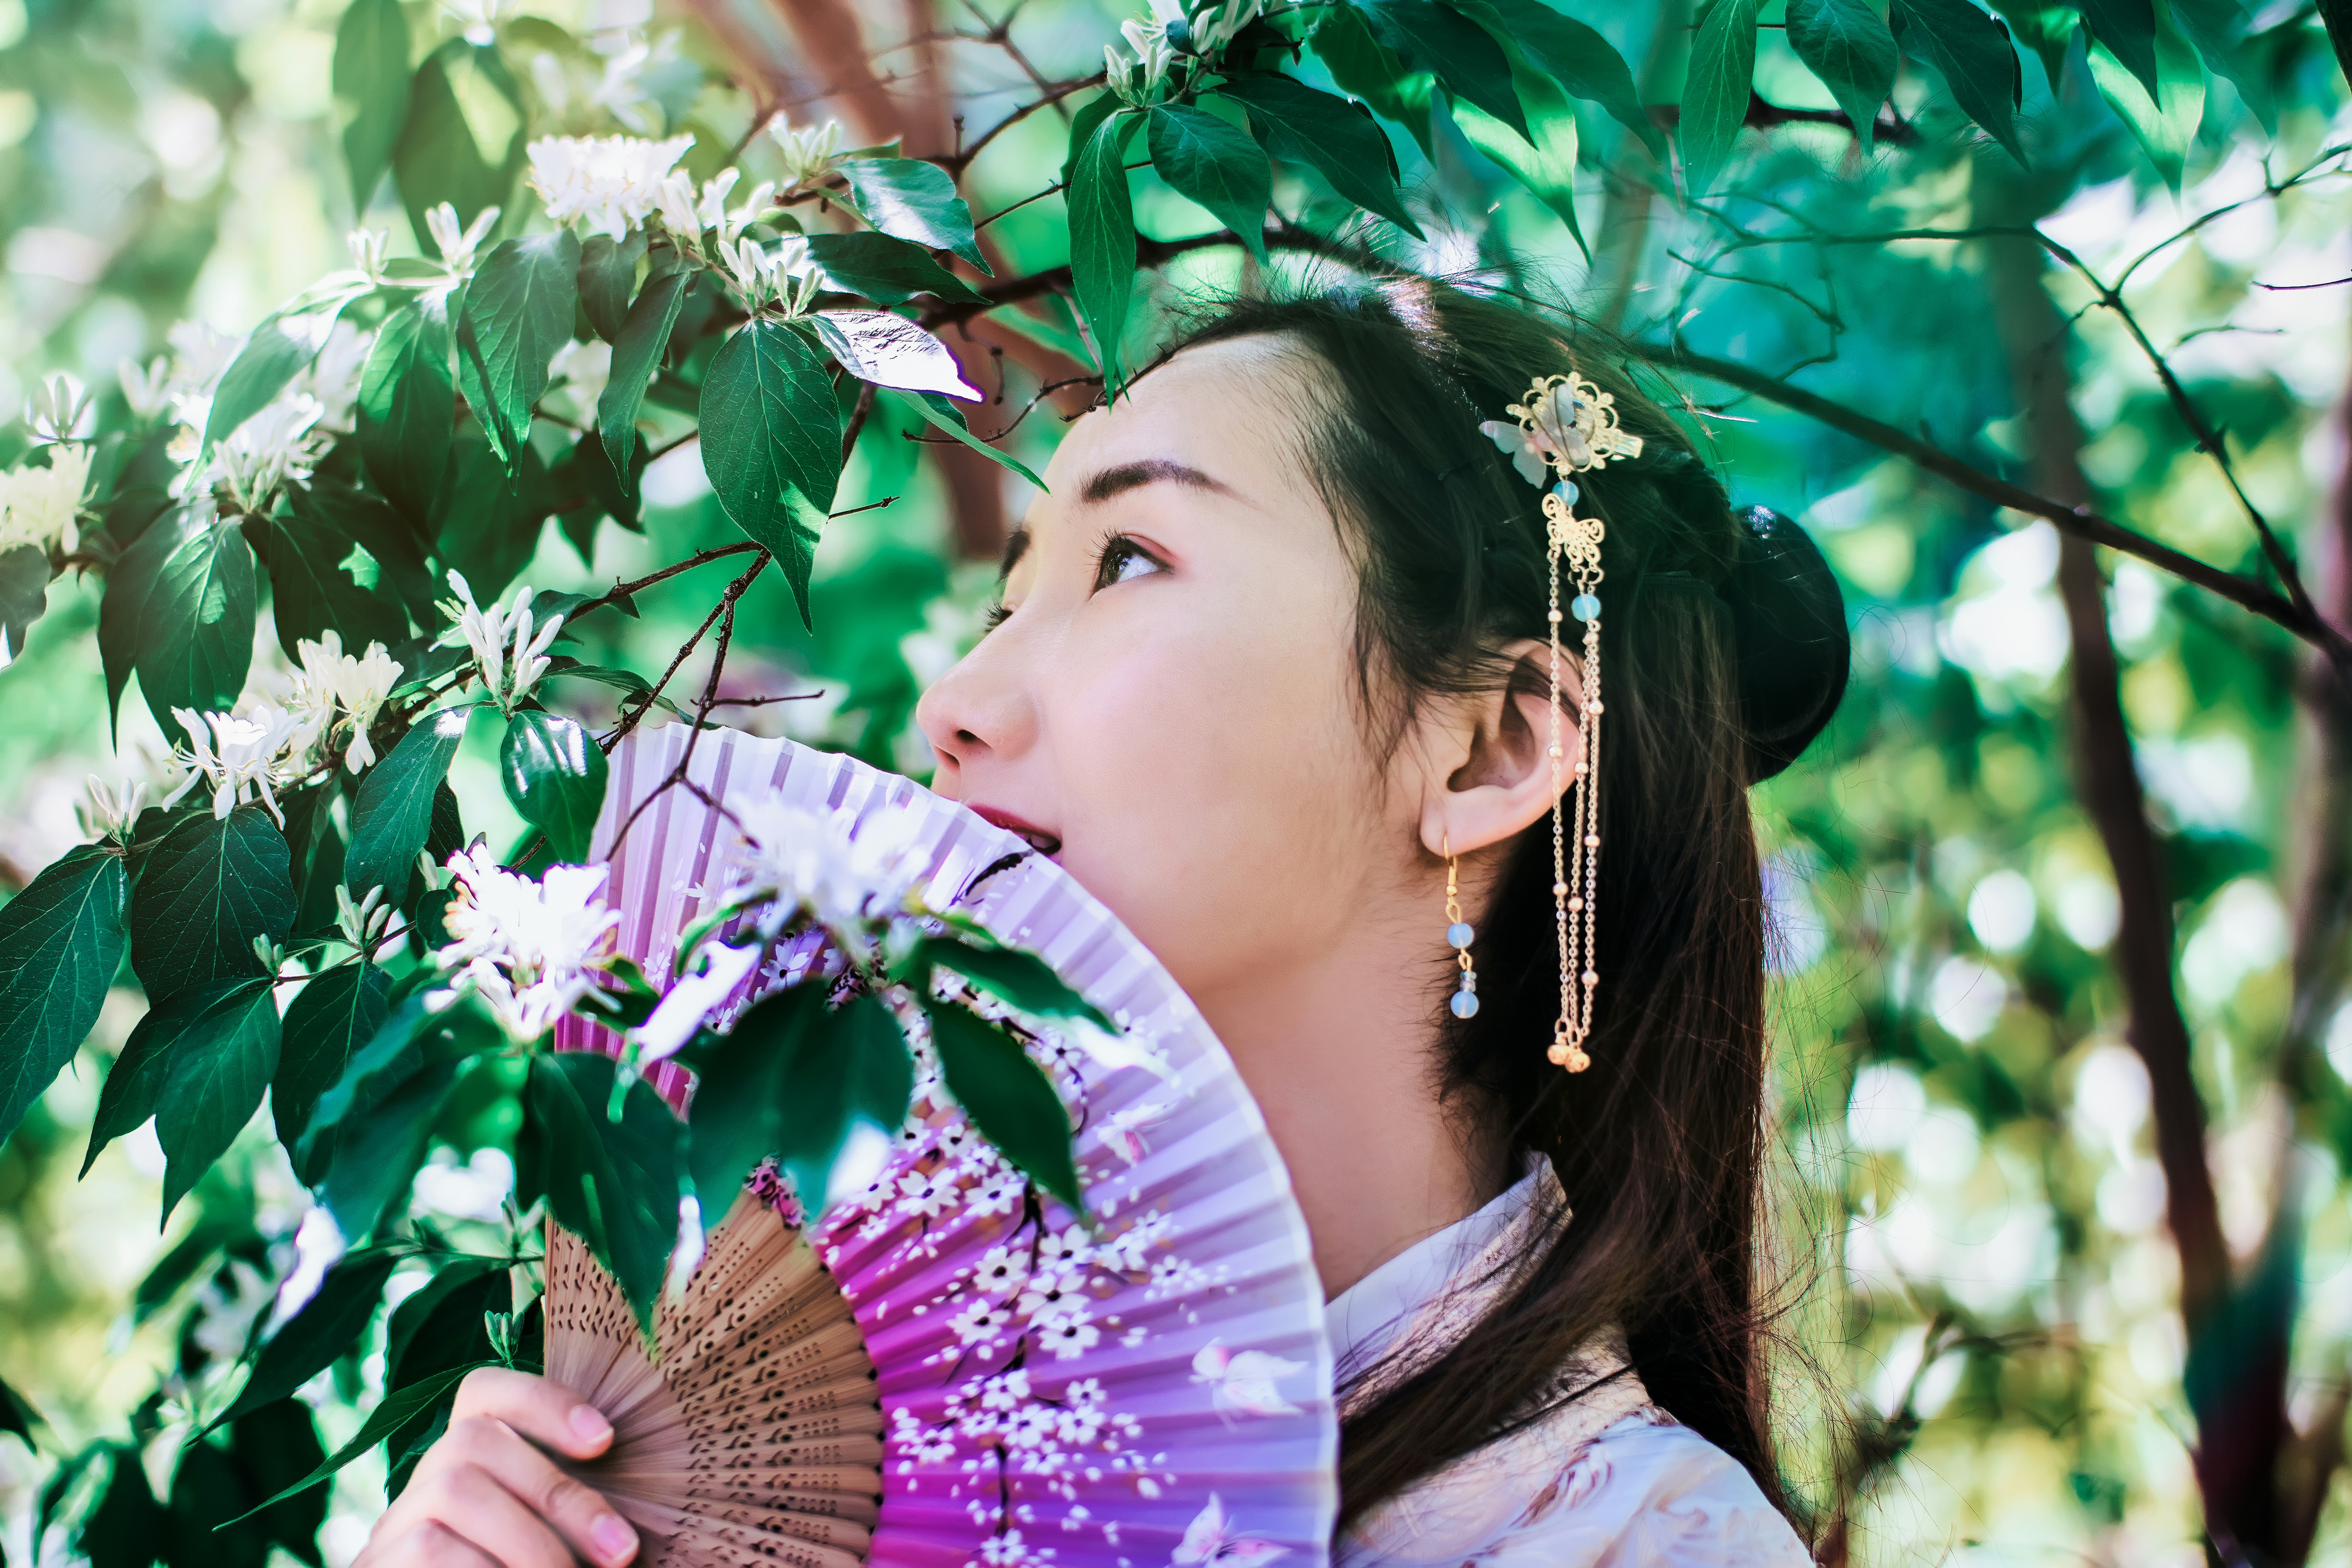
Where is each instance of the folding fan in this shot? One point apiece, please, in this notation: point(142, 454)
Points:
point(948, 1367)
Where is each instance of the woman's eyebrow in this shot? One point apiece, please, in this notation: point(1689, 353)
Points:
point(1113, 481)
point(1016, 545)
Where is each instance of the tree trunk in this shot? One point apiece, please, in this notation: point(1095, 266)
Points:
point(2236, 1371)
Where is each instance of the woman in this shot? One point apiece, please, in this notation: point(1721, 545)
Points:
point(1271, 676)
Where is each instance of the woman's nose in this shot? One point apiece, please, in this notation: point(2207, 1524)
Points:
point(981, 708)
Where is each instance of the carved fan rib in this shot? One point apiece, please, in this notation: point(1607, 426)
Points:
point(751, 1435)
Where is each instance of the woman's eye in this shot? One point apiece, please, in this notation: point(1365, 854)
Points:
point(1123, 559)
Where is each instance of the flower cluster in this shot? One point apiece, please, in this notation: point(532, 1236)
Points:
point(1174, 30)
point(332, 684)
point(59, 410)
point(457, 242)
point(239, 754)
point(689, 217)
point(791, 861)
point(40, 507)
point(762, 273)
point(529, 950)
point(110, 812)
point(260, 743)
point(610, 182)
point(282, 441)
point(509, 654)
point(810, 156)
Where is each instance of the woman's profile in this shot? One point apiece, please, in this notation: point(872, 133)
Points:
point(1396, 672)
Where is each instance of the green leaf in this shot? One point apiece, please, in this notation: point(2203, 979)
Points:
point(771, 444)
point(946, 416)
point(613, 1184)
point(1083, 125)
point(608, 276)
point(417, 1332)
point(463, 142)
point(891, 351)
point(221, 1061)
point(195, 618)
point(408, 404)
point(122, 614)
point(1547, 166)
point(914, 199)
point(394, 809)
point(270, 1448)
point(1974, 55)
point(1849, 46)
point(777, 1083)
point(391, 1411)
point(332, 1016)
point(1010, 1099)
point(518, 313)
point(554, 777)
point(17, 1415)
point(1716, 90)
point(886, 270)
point(1368, 68)
point(378, 1148)
point(1023, 979)
point(330, 1323)
point(271, 357)
point(1469, 63)
point(1336, 136)
point(1207, 161)
point(323, 577)
point(24, 595)
point(494, 511)
point(2127, 27)
point(1102, 241)
point(636, 355)
point(882, 1068)
point(208, 888)
point(128, 1529)
point(60, 944)
point(135, 1082)
point(371, 82)
point(2165, 133)
point(2218, 29)
point(1583, 62)
point(206, 1495)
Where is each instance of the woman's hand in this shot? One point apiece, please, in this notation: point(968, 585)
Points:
point(486, 1493)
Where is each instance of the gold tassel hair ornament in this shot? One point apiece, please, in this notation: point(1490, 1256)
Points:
point(1567, 425)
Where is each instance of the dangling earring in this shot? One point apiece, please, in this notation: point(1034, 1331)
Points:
point(1459, 934)
point(1566, 426)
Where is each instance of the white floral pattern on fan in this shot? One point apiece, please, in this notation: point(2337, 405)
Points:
point(1153, 1391)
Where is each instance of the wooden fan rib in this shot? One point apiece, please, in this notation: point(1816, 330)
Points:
point(757, 1520)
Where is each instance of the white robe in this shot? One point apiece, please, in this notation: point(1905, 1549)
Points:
point(1607, 1480)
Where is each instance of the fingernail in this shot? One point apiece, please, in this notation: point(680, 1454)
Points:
point(612, 1537)
point(589, 1424)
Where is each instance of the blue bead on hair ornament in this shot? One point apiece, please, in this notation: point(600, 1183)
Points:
point(1566, 426)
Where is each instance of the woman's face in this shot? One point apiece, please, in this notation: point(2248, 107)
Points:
point(1168, 704)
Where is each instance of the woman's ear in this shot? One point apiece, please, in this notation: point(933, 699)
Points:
point(1491, 772)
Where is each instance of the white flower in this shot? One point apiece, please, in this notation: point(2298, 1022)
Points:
point(1052, 1294)
point(1001, 1272)
point(110, 813)
point(39, 506)
point(1245, 1380)
point(584, 368)
point(146, 388)
point(368, 247)
point(332, 681)
point(808, 155)
point(794, 860)
point(1069, 1337)
point(59, 410)
point(273, 447)
point(694, 998)
point(1153, 57)
point(1214, 25)
point(612, 182)
point(509, 656)
point(456, 242)
point(531, 948)
point(363, 922)
point(982, 1323)
point(319, 1244)
point(480, 19)
point(236, 752)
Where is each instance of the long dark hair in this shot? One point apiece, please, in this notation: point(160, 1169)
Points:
point(1660, 1144)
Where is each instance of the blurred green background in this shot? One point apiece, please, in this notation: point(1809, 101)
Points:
point(1986, 1356)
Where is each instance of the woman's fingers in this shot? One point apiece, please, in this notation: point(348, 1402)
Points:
point(429, 1543)
point(568, 1516)
point(540, 1408)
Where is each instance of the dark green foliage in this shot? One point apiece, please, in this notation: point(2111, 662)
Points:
point(463, 142)
point(886, 270)
point(613, 1182)
point(409, 397)
point(1008, 1095)
point(207, 889)
point(307, 1342)
point(1975, 57)
point(518, 313)
point(1715, 97)
point(394, 809)
point(913, 200)
point(60, 943)
point(336, 560)
point(188, 624)
point(1203, 157)
point(608, 276)
point(1336, 138)
point(371, 80)
point(771, 444)
point(637, 352)
point(1102, 239)
point(554, 775)
point(221, 1056)
point(334, 1015)
point(1848, 45)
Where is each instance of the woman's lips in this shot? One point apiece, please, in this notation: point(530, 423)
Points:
point(1044, 843)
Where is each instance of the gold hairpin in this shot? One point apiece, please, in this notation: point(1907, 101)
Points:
point(1567, 425)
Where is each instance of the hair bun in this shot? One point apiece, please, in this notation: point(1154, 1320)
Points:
point(1788, 620)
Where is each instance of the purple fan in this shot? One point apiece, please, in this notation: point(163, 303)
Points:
point(948, 1368)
